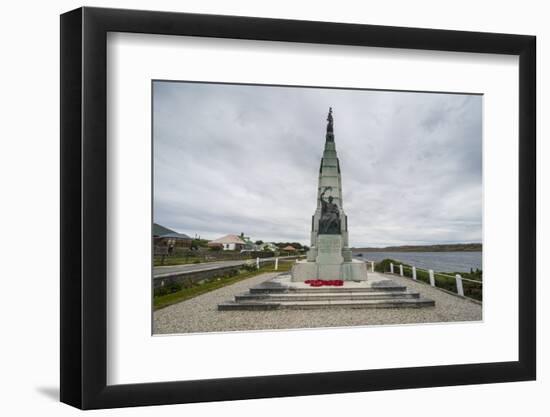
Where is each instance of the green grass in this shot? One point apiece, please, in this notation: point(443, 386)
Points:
point(212, 284)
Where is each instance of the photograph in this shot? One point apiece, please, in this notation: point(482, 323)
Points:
point(300, 207)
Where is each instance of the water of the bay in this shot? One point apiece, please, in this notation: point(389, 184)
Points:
point(438, 261)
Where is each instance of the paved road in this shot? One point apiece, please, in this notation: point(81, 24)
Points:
point(166, 271)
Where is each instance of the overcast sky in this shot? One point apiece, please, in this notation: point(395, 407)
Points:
point(237, 158)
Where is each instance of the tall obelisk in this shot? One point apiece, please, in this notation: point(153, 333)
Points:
point(329, 256)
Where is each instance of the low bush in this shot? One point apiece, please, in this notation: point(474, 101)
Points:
point(249, 267)
point(168, 289)
point(384, 265)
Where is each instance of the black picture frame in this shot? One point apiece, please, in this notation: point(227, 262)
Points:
point(84, 207)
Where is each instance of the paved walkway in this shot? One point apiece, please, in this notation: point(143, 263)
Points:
point(200, 314)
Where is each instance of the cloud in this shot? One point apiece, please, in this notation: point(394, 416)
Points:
point(239, 158)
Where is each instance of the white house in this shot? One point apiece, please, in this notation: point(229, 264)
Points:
point(228, 242)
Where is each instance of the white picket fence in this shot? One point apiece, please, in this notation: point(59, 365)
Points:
point(431, 274)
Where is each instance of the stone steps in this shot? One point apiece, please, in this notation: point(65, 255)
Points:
point(324, 304)
point(282, 293)
point(325, 295)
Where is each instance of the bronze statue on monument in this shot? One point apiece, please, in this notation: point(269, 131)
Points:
point(329, 223)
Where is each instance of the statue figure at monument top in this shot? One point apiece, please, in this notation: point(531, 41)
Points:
point(330, 120)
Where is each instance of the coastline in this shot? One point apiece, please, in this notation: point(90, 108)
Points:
point(463, 247)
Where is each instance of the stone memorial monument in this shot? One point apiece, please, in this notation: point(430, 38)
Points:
point(329, 257)
point(329, 277)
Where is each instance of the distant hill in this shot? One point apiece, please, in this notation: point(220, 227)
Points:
point(455, 247)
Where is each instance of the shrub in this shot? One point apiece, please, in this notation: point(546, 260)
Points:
point(423, 276)
point(174, 287)
point(407, 271)
point(249, 266)
point(160, 291)
point(167, 289)
point(384, 265)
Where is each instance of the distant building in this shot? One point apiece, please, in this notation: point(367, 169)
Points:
point(228, 242)
point(289, 248)
point(164, 237)
point(269, 246)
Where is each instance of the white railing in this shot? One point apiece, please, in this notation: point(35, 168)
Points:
point(371, 263)
point(431, 276)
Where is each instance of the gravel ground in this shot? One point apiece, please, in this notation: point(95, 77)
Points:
point(200, 314)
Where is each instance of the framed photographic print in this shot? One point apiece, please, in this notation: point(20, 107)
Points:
point(257, 208)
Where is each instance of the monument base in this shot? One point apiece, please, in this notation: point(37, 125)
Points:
point(329, 250)
point(329, 260)
point(346, 271)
